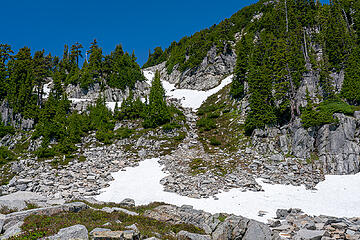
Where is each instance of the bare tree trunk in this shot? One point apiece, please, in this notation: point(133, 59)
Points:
point(305, 46)
point(347, 21)
point(287, 20)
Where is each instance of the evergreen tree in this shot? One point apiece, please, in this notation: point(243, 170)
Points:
point(130, 108)
point(237, 87)
point(5, 54)
point(351, 87)
point(76, 53)
point(122, 70)
point(41, 70)
point(158, 112)
point(21, 83)
point(157, 57)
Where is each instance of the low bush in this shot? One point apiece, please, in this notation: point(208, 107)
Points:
point(6, 155)
point(323, 114)
point(123, 133)
point(206, 124)
point(214, 142)
point(171, 126)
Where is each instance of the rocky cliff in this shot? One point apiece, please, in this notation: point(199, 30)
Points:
point(207, 75)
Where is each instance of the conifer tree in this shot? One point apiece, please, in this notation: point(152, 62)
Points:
point(41, 70)
point(237, 87)
point(21, 82)
point(158, 112)
point(76, 53)
point(5, 53)
point(351, 87)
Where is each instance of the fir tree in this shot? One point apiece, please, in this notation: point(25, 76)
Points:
point(5, 53)
point(351, 87)
point(158, 112)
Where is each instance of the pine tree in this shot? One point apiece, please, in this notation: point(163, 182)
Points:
point(21, 83)
point(95, 60)
point(351, 88)
point(76, 53)
point(5, 54)
point(41, 70)
point(158, 112)
point(237, 87)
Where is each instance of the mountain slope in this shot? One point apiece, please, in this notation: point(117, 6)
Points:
point(296, 77)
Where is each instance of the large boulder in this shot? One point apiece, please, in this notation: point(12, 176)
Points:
point(12, 231)
point(17, 201)
point(257, 231)
point(77, 232)
point(184, 235)
point(69, 207)
point(305, 234)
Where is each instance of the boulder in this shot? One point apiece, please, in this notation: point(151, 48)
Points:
point(282, 213)
point(184, 235)
point(305, 234)
point(99, 230)
point(17, 201)
point(128, 202)
point(257, 231)
point(2, 220)
point(69, 207)
point(12, 231)
point(77, 232)
point(116, 235)
point(116, 209)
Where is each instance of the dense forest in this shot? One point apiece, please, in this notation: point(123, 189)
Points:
point(24, 75)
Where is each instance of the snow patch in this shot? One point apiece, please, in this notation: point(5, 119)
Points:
point(188, 98)
point(47, 89)
point(337, 196)
point(77, 100)
point(112, 105)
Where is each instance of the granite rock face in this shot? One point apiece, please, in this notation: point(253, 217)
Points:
point(209, 74)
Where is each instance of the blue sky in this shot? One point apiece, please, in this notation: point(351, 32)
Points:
point(137, 25)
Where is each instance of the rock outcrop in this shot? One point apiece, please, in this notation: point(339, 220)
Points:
point(208, 75)
point(231, 227)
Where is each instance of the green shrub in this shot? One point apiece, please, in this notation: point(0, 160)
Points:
point(43, 152)
point(323, 114)
point(123, 133)
point(180, 137)
point(5, 130)
point(171, 126)
point(6, 155)
point(82, 158)
point(206, 124)
point(214, 142)
point(214, 115)
point(105, 136)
